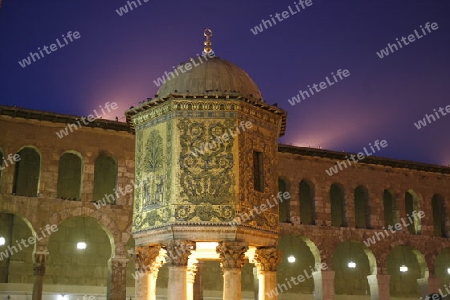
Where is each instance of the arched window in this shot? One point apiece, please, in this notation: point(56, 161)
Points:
point(105, 177)
point(307, 210)
point(362, 212)
point(390, 208)
point(337, 198)
point(27, 172)
point(69, 177)
point(284, 209)
point(439, 216)
point(412, 209)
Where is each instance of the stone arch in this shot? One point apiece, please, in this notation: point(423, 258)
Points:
point(17, 231)
point(27, 172)
point(353, 262)
point(338, 205)
point(390, 208)
point(285, 206)
point(306, 202)
point(108, 225)
point(405, 283)
point(442, 263)
point(411, 209)
point(439, 215)
point(62, 246)
point(307, 256)
point(70, 176)
point(362, 207)
point(105, 176)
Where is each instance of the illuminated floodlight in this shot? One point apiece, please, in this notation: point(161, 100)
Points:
point(291, 259)
point(2, 241)
point(403, 269)
point(81, 245)
point(448, 270)
point(352, 265)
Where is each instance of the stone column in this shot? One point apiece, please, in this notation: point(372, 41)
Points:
point(433, 284)
point(323, 285)
point(148, 260)
point(267, 260)
point(117, 281)
point(198, 284)
point(177, 256)
point(383, 287)
point(190, 280)
point(232, 259)
point(39, 260)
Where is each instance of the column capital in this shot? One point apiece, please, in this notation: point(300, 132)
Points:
point(178, 252)
point(232, 254)
point(40, 257)
point(191, 272)
point(267, 259)
point(148, 258)
point(119, 261)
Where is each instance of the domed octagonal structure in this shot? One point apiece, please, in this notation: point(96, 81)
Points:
point(206, 76)
point(207, 186)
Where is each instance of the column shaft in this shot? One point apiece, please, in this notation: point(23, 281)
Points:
point(40, 258)
point(383, 287)
point(232, 284)
point(176, 288)
point(117, 281)
point(267, 285)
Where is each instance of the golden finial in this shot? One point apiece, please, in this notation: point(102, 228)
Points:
point(208, 34)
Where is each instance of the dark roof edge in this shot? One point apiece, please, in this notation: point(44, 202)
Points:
point(18, 112)
point(369, 160)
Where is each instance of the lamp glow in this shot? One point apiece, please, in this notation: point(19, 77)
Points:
point(291, 259)
point(448, 270)
point(81, 245)
point(352, 265)
point(403, 269)
point(2, 241)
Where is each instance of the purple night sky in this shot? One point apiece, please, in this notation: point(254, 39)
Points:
point(117, 58)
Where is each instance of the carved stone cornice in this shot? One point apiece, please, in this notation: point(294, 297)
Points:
point(267, 259)
point(178, 252)
point(232, 254)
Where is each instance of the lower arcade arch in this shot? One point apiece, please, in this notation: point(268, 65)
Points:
point(406, 266)
point(72, 263)
point(353, 262)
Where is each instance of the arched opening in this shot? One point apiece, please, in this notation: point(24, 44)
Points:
point(439, 215)
point(285, 206)
point(362, 210)
point(105, 178)
point(337, 198)
point(69, 264)
point(412, 209)
point(299, 259)
point(16, 257)
point(69, 177)
point(442, 268)
point(405, 265)
point(351, 265)
point(307, 209)
point(390, 208)
point(27, 172)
